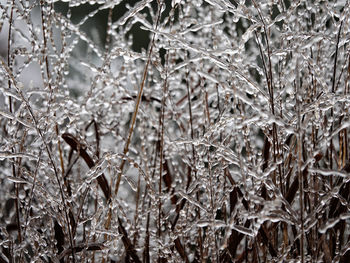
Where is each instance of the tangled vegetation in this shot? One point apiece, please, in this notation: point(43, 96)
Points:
point(174, 131)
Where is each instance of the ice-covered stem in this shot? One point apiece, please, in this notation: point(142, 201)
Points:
point(299, 158)
point(36, 125)
point(137, 105)
point(48, 74)
point(14, 174)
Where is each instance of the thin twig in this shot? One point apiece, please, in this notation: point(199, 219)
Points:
point(137, 105)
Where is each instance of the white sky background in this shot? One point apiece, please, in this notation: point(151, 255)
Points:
point(31, 75)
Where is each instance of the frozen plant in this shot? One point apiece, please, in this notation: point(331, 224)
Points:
point(223, 137)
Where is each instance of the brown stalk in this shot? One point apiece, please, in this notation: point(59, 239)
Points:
point(82, 246)
point(137, 105)
point(266, 152)
point(129, 247)
point(136, 216)
point(97, 135)
point(236, 237)
point(180, 248)
point(336, 59)
point(161, 144)
point(59, 236)
point(269, 79)
point(167, 178)
point(146, 256)
point(78, 147)
point(299, 163)
point(292, 190)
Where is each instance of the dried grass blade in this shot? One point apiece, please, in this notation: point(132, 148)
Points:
point(167, 178)
point(129, 247)
point(83, 246)
point(266, 152)
point(146, 257)
point(59, 236)
point(179, 247)
point(292, 190)
point(77, 146)
point(267, 241)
